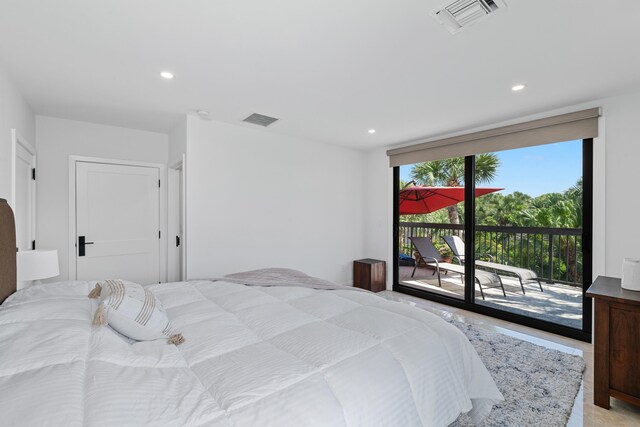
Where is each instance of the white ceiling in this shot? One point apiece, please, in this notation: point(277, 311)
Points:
point(330, 70)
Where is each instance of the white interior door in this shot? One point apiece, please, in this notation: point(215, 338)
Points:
point(118, 217)
point(24, 196)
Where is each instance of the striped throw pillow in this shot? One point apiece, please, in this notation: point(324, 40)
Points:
point(133, 311)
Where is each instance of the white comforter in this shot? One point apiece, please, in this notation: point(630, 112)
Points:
point(253, 356)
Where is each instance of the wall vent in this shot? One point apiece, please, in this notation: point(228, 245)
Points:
point(260, 119)
point(462, 13)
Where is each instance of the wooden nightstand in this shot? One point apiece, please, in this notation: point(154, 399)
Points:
point(370, 274)
point(617, 342)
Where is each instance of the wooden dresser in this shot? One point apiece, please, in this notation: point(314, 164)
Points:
point(617, 342)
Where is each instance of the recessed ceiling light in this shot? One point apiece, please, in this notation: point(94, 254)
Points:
point(166, 75)
point(518, 88)
point(204, 114)
point(372, 131)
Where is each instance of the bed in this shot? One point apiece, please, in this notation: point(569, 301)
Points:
point(268, 348)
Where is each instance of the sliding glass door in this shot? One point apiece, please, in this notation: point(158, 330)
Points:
point(524, 220)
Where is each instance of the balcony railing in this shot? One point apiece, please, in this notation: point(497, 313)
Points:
point(555, 254)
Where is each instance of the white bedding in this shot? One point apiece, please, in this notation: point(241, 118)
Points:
point(253, 356)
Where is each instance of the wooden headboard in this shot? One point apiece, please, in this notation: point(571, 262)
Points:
point(7, 251)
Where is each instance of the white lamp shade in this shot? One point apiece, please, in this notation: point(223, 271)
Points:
point(38, 264)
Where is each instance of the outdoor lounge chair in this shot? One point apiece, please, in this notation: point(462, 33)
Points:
point(430, 256)
point(524, 275)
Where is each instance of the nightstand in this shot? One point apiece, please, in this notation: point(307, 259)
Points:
point(370, 274)
point(616, 342)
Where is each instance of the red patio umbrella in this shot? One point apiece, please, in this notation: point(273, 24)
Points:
point(421, 200)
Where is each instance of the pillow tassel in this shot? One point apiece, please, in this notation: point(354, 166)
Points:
point(100, 319)
point(176, 339)
point(95, 292)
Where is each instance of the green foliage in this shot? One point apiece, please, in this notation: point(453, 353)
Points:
point(438, 217)
point(450, 172)
point(559, 210)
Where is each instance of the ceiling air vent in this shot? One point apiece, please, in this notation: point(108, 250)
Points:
point(462, 13)
point(259, 119)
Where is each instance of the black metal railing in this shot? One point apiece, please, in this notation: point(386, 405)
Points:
point(555, 254)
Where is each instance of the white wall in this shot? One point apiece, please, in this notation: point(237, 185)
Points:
point(14, 114)
point(57, 140)
point(622, 203)
point(616, 174)
point(178, 140)
point(378, 208)
point(259, 199)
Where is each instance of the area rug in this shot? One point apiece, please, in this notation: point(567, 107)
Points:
point(539, 384)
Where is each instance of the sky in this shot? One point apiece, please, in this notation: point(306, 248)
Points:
point(535, 170)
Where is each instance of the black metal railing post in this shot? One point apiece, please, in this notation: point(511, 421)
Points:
point(550, 280)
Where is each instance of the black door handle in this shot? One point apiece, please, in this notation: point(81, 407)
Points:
point(177, 241)
point(81, 243)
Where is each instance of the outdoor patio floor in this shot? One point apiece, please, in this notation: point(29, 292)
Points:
point(558, 303)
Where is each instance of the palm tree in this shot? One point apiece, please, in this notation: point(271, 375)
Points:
point(450, 173)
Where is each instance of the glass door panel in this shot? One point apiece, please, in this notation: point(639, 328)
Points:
point(528, 235)
point(431, 207)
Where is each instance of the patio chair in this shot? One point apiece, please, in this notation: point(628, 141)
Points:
point(429, 256)
point(524, 274)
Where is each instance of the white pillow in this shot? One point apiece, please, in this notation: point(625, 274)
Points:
point(133, 311)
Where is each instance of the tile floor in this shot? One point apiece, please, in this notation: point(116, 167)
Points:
point(584, 413)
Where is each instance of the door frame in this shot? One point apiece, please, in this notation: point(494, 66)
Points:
point(179, 165)
point(17, 139)
point(162, 173)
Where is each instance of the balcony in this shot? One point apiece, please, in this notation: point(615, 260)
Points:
point(555, 254)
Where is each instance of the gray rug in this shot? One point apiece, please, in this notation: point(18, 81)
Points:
point(539, 384)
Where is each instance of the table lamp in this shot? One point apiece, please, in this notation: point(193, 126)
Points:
point(37, 264)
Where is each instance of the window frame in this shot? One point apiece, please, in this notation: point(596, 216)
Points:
point(468, 303)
